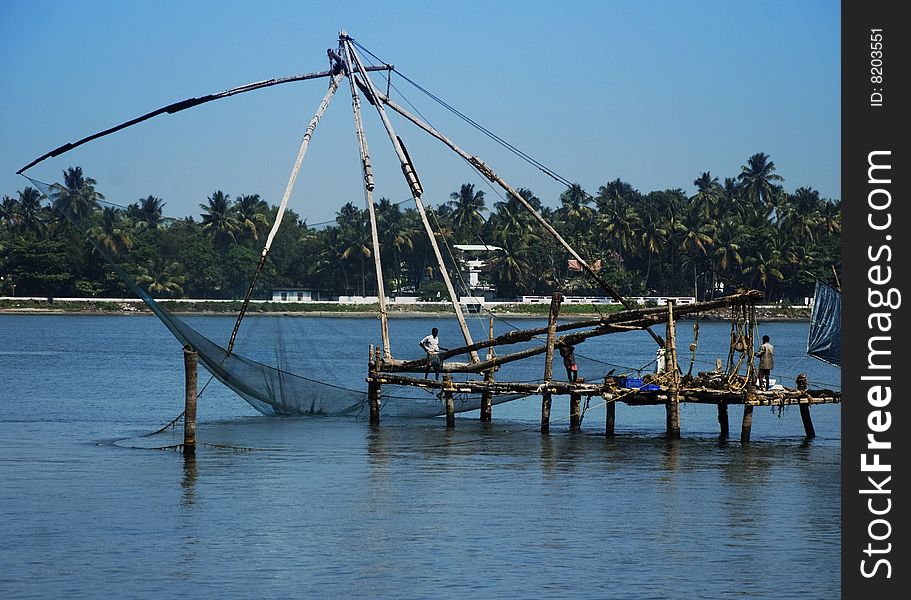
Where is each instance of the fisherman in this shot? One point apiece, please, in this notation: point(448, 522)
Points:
point(431, 345)
point(766, 361)
point(569, 361)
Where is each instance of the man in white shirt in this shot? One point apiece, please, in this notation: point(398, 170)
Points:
point(431, 345)
point(766, 362)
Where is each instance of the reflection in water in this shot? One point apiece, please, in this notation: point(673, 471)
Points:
point(670, 455)
point(188, 483)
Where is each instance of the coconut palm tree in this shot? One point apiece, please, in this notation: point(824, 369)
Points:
point(112, 233)
point(33, 217)
point(574, 203)
point(757, 178)
point(467, 206)
point(613, 191)
point(576, 216)
point(77, 198)
point(509, 268)
point(621, 222)
point(708, 194)
point(397, 233)
point(9, 213)
point(353, 242)
point(252, 217)
point(161, 278)
point(513, 219)
point(219, 221)
point(147, 211)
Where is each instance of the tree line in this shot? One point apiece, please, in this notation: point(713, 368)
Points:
point(744, 231)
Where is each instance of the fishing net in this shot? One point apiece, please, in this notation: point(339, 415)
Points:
point(269, 389)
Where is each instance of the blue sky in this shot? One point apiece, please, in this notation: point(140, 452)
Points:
point(653, 92)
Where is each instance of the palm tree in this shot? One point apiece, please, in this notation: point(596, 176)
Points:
point(509, 268)
point(615, 190)
point(397, 233)
point(513, 219)
point(467, 206)
point(161, 278)
point(9, 213)
point(33, 217)
point(113, 232)
point(251, 213)
point(621, 222)
point(652, 241)
point(576, 215)
point(147, 210)
point(574, 203)
point(77, 198)
point(757, 176)
point(353, 239)
point(830, 216)
point(798, 213)
point(219, 220)
point(708, 194)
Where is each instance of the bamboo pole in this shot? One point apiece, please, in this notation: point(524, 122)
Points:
point(555, 301)
point(493, 177)
point(367, 171)
point(190, 358)
point(414, 185)
point(292, 179)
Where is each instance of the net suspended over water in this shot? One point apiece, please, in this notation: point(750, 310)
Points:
point(271, 390)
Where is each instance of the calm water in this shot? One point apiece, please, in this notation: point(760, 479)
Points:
point(327, 508)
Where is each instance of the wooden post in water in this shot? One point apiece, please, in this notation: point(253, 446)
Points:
point(373, 387)
point(723, 419)
point(486, 396)
point(189, 412)
point(575, 412)
point(555, 301)
point(805, 407)
point(611, 408)
point(450, 404)
point(749, 398)
point(673, 398)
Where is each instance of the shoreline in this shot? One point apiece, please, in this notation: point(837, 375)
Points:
point(765, 313)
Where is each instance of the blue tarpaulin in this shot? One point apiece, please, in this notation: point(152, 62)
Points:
point(824, 339)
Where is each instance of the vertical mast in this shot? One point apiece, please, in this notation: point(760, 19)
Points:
point(413, 183)
point(367, 170)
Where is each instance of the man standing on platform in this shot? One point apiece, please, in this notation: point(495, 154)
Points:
point(431, 345)
point(766, 362)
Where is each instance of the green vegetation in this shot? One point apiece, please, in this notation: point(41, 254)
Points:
point(745, 232)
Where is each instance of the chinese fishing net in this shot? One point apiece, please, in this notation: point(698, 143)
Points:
point(272, 390)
